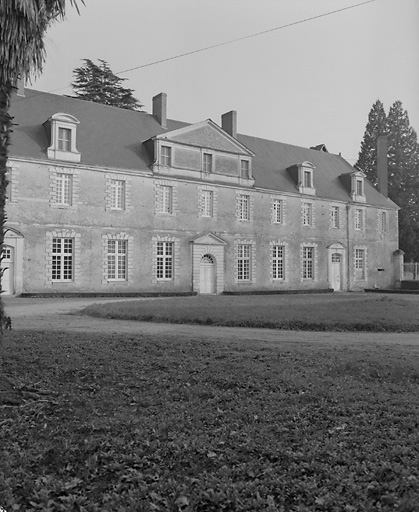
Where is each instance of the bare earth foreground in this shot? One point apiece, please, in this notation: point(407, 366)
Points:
point(61, 315)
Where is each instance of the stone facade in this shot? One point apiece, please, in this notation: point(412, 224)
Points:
point(138, 222)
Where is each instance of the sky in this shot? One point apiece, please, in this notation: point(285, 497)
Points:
point(311, 82)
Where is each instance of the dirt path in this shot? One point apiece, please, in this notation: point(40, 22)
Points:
point(61, 315)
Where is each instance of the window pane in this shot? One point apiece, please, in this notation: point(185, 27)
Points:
point(207, 164)
point(278, 262)
point(277, 211)
point(244, 169)
point(118, 194)
point(62, 259)
point(164, 263)
point(243, 262)
point(166, 156)
point(64, 139)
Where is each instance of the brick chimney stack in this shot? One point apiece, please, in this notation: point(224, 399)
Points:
point(160, 108)
point(382, 171)
point(229, 123)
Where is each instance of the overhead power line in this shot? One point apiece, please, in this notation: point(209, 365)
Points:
point(244, 37)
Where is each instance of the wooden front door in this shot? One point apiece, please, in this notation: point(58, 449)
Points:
point(7, 266)
point(207, 274)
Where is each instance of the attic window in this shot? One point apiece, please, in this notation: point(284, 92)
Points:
point(61, 130)
point(358, 187)
point(305, 178)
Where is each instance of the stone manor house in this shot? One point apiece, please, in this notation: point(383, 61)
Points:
point(107, 200)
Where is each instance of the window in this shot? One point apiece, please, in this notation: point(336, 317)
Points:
point(277, 211)
point(335, 217)
point(278, 266)
point(243, 207)
point(307, 179)
point(207, 163)
point(359, 219)
point(383, 222)
point(360, 263)
point(165, 260)
point(64, 189)
point(307, 214)
point(245, 169)
point(243, 262)
point(64, 139)
point(166, 156)
point(117, 194)
point(308, 262)
point(117, 260)
point(207, 203)
point(166, 199)
point(62, 259)
point(359, 187)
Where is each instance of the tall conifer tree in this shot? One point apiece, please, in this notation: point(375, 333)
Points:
point(97, 83)
point(403, 168)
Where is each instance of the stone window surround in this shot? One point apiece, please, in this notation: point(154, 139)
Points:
point(108, 193)
point(176, 259)
point(239, 194)
point(158, 198)
point(283, 209)
point(63, 233)
point(252, 243)
point(129, 261)
point(315, 261)
point(53, 171)
point(283, 244)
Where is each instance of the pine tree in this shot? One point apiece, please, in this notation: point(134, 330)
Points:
point(97, 83)
point(377, 125)
point(403, 168)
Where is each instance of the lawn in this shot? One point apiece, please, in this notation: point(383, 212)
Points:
point(115, 423)
point(330, 312)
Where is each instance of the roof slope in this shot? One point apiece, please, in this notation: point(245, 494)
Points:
point(113, 138)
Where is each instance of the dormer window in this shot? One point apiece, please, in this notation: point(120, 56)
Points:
point(62, 129)
point(245, 169)
point(357, 187)
point(305, 178)
point(207, 163)
point(166, 156)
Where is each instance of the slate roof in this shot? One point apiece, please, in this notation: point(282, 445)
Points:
point(111, 137)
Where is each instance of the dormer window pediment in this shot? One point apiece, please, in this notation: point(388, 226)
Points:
point(61, 130)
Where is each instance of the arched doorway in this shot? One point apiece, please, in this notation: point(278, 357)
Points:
point(207, 274)
point(7, 269)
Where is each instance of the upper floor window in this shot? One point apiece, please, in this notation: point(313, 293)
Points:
point(207, 162)
point(335, 217)
point(359, 219)
point(243, 207)
point(117, 194)
point(166, 156)
point(383, 221)
point(64, 189)
point(277, 212)
point(305, 182)
point(357, 186)
point(307, 214)
point(244, 169)
point(61, 130)
point(207, 203)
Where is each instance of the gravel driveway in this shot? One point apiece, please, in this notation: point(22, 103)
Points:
point(60, 314)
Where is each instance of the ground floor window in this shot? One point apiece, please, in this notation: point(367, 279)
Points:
point(165, 254)
point(62, 259)
point(308, 262)
point(244, 262)
point(117, 260)
point(278, 262)
point(360, 263)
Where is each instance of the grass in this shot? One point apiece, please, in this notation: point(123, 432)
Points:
point(328, 312)
point(163, 423)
